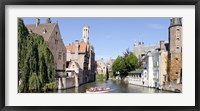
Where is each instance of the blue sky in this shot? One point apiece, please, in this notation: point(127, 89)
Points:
point(112, 36)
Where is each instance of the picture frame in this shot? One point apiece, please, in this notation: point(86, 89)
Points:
point(98, 2)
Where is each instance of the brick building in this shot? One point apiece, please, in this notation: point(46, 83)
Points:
point(82, 53)
point(175, 50)
point(101, 66)
point(51, 34)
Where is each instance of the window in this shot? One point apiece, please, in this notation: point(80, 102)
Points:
point(177, 47)
point(165, 78)
point(178, 29)
point(64, 56)
point(177, 38)
point(59, 57)
point(176, 72)
point(56, 41)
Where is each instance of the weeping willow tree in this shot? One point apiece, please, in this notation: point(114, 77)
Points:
point(36, 69)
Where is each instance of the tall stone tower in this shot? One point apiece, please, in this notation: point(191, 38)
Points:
point(175, 50)
point(85, 35)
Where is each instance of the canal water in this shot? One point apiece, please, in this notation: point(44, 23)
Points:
point(116, 86)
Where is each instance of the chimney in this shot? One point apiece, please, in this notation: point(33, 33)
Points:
point(76, 48)
point(162, 45)
point(37, 21)
point(48, 20)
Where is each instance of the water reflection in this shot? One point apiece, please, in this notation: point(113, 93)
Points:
point(116, 86)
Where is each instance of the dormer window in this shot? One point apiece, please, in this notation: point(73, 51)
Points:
point(30, 31)
point(44, 31)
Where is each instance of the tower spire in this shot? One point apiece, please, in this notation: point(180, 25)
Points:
point(85, 34)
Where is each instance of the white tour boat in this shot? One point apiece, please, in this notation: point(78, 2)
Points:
point(97, 90)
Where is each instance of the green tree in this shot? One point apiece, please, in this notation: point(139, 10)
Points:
point(125, 65)
point(126, 53)
point(119, 66)
point(131, 62)
point(35, 61)
point(22, 42)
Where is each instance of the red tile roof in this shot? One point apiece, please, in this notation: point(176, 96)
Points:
point(72, 47)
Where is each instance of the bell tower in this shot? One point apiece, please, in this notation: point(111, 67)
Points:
point(175, 50)
point(175, 35)
point(85, 34)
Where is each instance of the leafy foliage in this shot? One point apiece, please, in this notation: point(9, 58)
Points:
point(124, 65)
point(119, 66)
point(126, 53)
point(35, 61)
point(131, 62)
point(101, 76)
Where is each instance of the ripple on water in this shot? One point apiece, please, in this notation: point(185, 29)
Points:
point(116, 86)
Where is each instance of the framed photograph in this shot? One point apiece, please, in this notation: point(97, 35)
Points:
point(99, 55)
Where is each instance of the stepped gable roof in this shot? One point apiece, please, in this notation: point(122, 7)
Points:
point(39, 29)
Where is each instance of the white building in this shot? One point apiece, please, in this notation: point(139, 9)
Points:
point(151, 77)
point(138, 77)
point(154, 73)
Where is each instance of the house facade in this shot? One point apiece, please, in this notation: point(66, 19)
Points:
point(83, 56)
point(51, 34)
point(140, 49)
point(109, 64)
point(101, 67)
point(164, 63)
point(138, 77)
point(154, 73)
